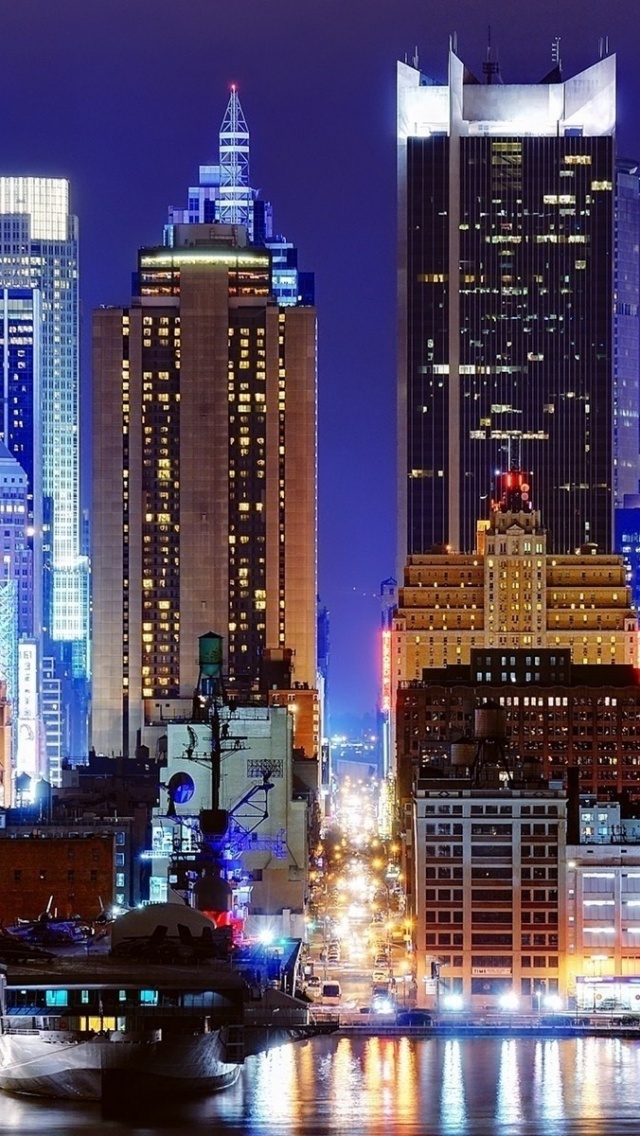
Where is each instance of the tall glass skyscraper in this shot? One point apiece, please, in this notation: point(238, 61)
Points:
point(510, 201)
point(40, 420)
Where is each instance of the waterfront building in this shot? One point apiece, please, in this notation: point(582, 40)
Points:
point(527, 893)
point(602, 920)
point(488, 867)
point(518, 302)
point(204, 480)
point(40, 422)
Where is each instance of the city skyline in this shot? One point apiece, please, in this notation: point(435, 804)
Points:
point(324, 153)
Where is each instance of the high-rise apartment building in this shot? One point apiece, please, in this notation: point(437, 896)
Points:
point(513, 348)
point(204, 479)
point(40, 424)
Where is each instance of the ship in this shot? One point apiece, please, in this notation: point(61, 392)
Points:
point(165, 1010)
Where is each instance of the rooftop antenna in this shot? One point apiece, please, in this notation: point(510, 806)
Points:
point(235, 194)
point(415, 57)
point(604, 46)
point(490, 67)
point(555, 51)
point(453, 42)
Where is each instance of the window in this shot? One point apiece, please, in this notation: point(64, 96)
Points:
point(57, 997)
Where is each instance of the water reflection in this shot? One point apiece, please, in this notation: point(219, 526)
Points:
point(508, 1102)
point(368, 1087)
point(548, 1087)
point(452, 1099)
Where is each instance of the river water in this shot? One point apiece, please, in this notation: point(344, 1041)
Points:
point(372, 1086)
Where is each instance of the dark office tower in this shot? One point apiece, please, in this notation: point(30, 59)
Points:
point(204, 480)
point(507, 262)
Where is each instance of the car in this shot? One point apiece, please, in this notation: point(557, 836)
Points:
point(313, 984)
point(380, 976)
point(331, 992)
point(414, 1018)
point(382, 1004)
point(381, 961)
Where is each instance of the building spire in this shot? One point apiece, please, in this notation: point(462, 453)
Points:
point(235, 192)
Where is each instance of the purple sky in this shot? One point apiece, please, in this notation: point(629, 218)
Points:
point(125, 98)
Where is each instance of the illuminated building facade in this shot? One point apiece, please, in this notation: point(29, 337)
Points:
point(40, 424)
point(204, 479)
point(551, 638)
point(627, 521)
point(513, 219)
point(512, 593)
point(19, 601)
point(388, 600)
point(17, 560)
point(39, 254)
point(489, 885)
point(602, 918)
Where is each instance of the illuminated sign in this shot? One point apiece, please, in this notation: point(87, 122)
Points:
point(27, 747)
point(386, 671)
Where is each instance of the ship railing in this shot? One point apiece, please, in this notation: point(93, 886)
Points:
point(275, 1016)
point(32, 1023)
point(22, 1030)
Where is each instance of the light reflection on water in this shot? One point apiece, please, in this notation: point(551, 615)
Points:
point(429, 1087)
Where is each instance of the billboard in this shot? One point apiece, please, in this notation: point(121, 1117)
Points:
point(27, 731)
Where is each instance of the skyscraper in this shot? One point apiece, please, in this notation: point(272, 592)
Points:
point(40, 421)
point(39, 253)
point(509, 197)
point(204, 508)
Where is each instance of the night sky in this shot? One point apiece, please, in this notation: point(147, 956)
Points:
point(125, 98)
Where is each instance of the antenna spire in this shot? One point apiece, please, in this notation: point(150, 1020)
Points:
point(491, 67)
point(235, 194)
